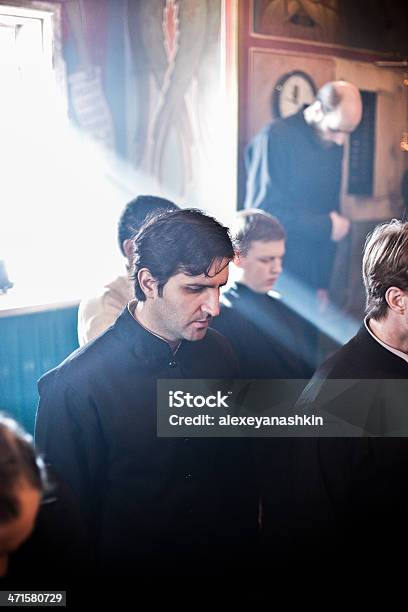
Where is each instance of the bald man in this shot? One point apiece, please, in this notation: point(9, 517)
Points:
point(294, 168)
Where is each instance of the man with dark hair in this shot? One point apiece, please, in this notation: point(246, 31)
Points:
point(294, 168)
point(154, 505)
point(270, 339)
point(352, 492)
point(134, 215)
point(97, 313)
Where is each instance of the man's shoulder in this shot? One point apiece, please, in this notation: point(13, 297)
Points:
point(228, 301)
point(80, 366)
point(239, 301)
point(362, 357)
point(355, 380)
point(281, 134)
point(230, 315)
point(344, 364)
point(121, 287)
point(283, 125)
point(117, 292)
point(99, 312)
point(348, 361)
point(290, 312)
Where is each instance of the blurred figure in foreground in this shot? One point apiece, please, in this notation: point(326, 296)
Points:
point(42, 541)
point(22, 482)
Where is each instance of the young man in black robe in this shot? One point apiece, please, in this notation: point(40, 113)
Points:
point(272, 341)
point(269, 337)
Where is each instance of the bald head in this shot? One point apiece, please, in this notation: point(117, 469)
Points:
point(336, 111)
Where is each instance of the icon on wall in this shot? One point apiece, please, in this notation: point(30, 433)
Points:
point(291, 93)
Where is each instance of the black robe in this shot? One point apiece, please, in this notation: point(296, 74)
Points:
point(152, 505)
point(347, 497)
point(269, 338)
point(292, 175)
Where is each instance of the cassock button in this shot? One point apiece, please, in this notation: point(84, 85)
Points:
point(172, 364)
point(187, 476)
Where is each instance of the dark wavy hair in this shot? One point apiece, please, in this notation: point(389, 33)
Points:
point(187, 241)
point(136, 212)
point(18, 462)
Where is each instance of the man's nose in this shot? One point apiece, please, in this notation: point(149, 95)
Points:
point(211, 305)
point(276, 266)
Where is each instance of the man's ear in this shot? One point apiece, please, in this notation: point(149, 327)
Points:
point(315, 111)
point(396, 299)
point(238, 259)
point(148, 283)
point(127, 246)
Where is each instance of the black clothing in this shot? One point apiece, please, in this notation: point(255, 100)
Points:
point(152, 504)
point(271, 341)
point(361, 358)
point(352, 493)
point(269, 338)
point(294, 176)
point(366, 397)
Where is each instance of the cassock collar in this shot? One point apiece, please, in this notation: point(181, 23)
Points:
point(140, 340)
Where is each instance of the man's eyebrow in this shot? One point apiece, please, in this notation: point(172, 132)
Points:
point(202, 285)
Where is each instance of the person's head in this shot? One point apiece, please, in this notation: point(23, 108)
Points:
point(260, 244)
point(22, 482)
point(335, 112)
point(181, 259)
point(134, 215)
point(385, 270)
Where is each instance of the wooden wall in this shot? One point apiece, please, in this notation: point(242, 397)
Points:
point(332, 40)
point(271, 45)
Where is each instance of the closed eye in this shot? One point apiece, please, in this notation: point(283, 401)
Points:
point(194, 289)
